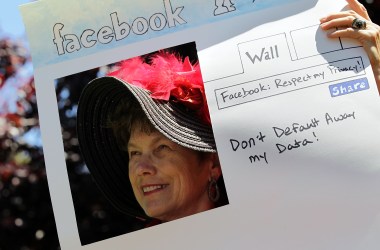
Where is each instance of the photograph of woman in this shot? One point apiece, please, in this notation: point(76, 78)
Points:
point(145, 134)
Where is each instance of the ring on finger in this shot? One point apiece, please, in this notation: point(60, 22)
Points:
point(359, 24)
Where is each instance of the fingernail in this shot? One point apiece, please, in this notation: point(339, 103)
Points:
point(322, 19)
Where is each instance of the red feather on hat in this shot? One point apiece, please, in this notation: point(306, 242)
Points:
point(169, 79)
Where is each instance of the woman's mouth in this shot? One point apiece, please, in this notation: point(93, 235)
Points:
point(152, 188)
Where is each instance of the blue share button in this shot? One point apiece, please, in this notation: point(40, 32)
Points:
point(349, 87)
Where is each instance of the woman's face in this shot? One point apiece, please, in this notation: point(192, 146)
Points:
point(168, 180)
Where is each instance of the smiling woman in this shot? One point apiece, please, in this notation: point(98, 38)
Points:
point(169, 180)
point(146, 137)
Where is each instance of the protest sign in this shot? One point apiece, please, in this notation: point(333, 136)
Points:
point(295, 117)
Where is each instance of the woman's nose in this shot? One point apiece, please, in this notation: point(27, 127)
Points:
point(145, 166)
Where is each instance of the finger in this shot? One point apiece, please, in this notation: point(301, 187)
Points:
point(338, 22)
point(339, 15)
point(359, 8)
point(344, 33)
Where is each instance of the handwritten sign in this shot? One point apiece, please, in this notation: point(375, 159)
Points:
point(295, 115)
point(291, 81)
point(305, 132)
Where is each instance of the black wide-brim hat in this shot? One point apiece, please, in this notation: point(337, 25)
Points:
point(107, 163)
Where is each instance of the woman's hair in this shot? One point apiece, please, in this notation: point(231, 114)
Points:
point(128, 115)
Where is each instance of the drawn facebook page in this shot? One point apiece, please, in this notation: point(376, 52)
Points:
point(290, 117)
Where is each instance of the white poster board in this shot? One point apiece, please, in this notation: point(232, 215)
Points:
point(295, 116)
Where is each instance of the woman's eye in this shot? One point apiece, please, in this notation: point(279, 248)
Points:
point(163, 147)
point(133, 153)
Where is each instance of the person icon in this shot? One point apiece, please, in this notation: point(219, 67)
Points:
point(230, 6)
point(223, 6)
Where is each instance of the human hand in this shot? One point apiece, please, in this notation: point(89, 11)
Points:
point(368, 36)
